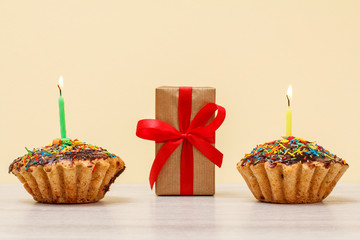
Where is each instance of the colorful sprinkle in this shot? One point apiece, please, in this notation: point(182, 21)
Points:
point(289, 150)
point(67, 150)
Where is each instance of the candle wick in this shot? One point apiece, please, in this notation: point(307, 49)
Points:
point(288, 100)
point(59, 89)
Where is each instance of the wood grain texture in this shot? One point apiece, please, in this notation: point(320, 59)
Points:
point(134, 212)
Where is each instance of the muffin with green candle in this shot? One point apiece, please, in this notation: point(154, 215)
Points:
point(67, 171)
point(291, 170)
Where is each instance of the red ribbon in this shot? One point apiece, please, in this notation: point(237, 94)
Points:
point(193, 133)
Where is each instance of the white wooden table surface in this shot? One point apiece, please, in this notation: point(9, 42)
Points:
point(134, 212)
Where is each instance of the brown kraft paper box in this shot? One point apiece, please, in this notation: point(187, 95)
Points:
point(168, 181)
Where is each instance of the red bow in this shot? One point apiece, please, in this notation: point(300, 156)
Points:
point(193, 133)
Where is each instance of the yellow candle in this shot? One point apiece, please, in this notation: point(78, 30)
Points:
point(288, 112)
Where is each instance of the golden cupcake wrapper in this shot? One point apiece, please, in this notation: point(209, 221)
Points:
point(80, 181)
point(295, 183)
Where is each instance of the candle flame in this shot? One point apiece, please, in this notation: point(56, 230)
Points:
point(289, 92)
point(61, 82)
point(289, 95)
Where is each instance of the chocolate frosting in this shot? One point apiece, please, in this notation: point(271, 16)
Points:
point(290, 150)
point(70, 150)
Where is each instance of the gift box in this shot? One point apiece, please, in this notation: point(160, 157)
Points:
point(184, 131)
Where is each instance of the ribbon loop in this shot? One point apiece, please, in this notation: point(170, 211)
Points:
point(156, 130)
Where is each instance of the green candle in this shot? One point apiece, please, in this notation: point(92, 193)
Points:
point(288, 112)
point(62, 112)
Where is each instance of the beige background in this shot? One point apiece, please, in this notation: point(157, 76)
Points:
point(113, 54)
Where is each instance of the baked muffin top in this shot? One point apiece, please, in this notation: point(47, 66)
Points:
point(69, 150)
point(290, 150)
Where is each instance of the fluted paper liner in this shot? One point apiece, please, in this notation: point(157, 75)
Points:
point(295, 183)
point(80, 181)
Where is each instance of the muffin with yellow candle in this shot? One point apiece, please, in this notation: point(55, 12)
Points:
point(68, 171)
point(291, 170)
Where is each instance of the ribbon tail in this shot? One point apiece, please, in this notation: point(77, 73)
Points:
point(164, 153)
point(207, 149)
